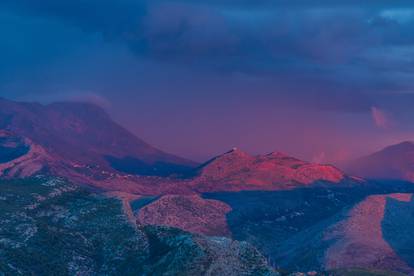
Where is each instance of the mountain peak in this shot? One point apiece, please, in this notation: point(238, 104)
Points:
point(237, 170)
point(235, 152)
point(278, 154)
point(231, 156)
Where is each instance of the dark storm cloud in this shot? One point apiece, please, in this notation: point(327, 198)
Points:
point(336, 57)
point(322, 43)
point(272, 32)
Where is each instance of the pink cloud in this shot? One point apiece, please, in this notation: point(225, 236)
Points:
point(381, 118)
point(76, 96)
point(319, 158)
point(91, 98)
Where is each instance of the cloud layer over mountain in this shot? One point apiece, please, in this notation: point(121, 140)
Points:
point(294, 72)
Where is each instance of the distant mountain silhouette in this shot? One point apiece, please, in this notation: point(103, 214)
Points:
point(393, 162)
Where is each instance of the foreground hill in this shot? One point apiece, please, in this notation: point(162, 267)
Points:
point(307, 229)
point(50, 227)
point(393, 162)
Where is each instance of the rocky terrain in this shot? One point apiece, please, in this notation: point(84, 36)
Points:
point(51, 227)
point(361, 239)
point(295, 228)
point(188, 212)
point(307, 229)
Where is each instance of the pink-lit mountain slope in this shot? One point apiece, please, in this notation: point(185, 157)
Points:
point(237, 170)
point(375, 235)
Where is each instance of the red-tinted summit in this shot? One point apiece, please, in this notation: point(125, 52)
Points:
point(237, 170)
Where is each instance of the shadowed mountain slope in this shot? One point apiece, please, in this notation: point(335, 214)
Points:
point(83, 134)
point(326, 228)
point(393, 162)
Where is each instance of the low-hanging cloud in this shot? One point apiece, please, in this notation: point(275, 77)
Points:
point(381, 118)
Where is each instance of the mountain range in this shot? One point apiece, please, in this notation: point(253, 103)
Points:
point(79, 141)
point(300, 216)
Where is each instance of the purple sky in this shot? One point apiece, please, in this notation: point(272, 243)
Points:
point(322, 80)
